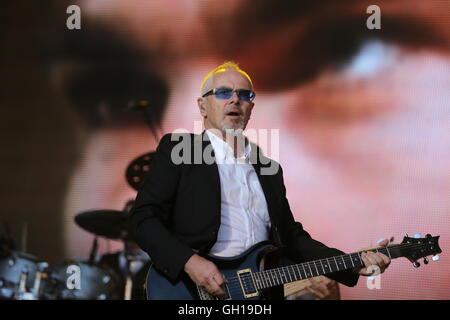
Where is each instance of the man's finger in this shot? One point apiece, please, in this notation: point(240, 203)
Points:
point(378, 259)
point(386, 259)
point(316, 292)
point(379, 262)
point(215, 288)
point(324, 289)
point(383, 242)
point(368, 262)
point(220, 280)
point(382, 261)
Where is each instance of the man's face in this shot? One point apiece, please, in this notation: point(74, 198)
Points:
point(226, 114)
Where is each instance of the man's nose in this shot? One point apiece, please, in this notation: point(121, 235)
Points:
point(235, 97)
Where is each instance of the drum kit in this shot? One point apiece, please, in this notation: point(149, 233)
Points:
point(117, 276)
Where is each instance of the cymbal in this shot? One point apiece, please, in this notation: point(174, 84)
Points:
point(137, 170)
point(111, 224)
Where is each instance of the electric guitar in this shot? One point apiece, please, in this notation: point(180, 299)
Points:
point(248, 279)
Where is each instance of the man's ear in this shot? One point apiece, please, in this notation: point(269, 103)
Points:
point(202, 107)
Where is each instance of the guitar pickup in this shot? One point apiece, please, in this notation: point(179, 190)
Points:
point(247, 283)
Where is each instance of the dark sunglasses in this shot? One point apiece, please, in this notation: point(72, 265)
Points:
point(227, 93)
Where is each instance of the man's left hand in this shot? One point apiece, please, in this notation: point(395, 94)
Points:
point(374, 261)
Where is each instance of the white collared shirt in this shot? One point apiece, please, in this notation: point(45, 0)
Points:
point(244, 215)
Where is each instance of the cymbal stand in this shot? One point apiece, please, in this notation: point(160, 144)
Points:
point(131, 263)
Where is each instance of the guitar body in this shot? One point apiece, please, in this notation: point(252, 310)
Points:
point(255, 258)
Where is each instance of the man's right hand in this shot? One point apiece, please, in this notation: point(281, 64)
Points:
point(205, 273)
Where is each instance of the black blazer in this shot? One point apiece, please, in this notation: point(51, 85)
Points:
point(177, 210)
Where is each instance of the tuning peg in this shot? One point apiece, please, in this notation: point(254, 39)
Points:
point(428, 235)
point(417, 236)
point(436, 258)
point(425, 260)
point(406, 235)
point(416, 264)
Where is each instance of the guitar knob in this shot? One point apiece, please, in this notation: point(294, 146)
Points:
point(417, 236)
point(416, 264)
point(425, 260)
point(436, 258)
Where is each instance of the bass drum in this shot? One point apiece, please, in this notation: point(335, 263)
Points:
point(79, 280)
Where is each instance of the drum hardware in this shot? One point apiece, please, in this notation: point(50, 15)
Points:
point(94, 249)
point(22, 293)
point(128, 287)
point(24, 277)
point(131, 262)
point(44, 283)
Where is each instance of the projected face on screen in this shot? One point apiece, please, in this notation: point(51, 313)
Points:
point(363, 117)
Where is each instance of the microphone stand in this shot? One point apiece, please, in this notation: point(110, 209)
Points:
point(142, 106)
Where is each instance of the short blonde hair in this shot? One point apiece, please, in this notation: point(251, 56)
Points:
point(226, 66)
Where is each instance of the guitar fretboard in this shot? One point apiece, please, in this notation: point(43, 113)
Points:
point(278, 276)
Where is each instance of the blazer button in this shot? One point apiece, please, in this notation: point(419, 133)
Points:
point(165, 270)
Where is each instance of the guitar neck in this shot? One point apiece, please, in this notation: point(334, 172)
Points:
point(279, 276)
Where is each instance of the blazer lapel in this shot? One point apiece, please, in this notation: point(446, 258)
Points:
point(212, 169)
point(267, 186)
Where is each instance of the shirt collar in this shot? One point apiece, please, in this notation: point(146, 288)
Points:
point(223, 151)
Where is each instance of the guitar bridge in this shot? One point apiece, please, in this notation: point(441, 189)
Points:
point(205, 295)
point(247, 283)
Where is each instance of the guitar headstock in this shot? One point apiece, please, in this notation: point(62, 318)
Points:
point(418, 247)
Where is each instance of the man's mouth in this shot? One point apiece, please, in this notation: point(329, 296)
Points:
point(233, 114)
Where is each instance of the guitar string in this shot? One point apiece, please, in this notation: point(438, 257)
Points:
point(232, 283)
point(235, 279)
